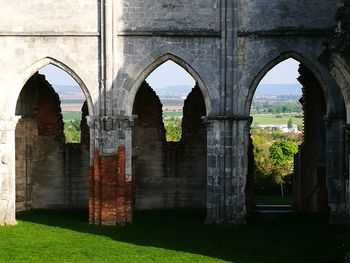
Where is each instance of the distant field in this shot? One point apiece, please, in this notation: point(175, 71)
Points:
point(258, 119)
point(172, 113)
point(265, 119)
point(71, 115)
point(172, 108)
point(71, 107)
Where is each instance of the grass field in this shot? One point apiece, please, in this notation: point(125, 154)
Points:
point(265, 119)
point(172, 113)
point(65, 236)
point(71, 115)
point(262, 119)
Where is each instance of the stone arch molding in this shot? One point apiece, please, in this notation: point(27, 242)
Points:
point(207, 86)
point(270, 60)
point(341, 72)
point(28, 73)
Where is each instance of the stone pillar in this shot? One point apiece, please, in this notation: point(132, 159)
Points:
point(7, 171)
point(228, 140)
point(347, 167)
point(335, 170)
point(110, 178)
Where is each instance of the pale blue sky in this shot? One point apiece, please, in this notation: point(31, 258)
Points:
point(57, 76)
point(171, 74)
point(285, 72)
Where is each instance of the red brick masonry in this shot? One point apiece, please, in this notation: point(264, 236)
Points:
point(110, 196)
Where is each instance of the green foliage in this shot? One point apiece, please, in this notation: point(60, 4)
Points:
point(283, 151)
point(173, 131)
point(282, 155)
point(172, 123)
point(276, 107)
point(72, 131)
point(72, 126)
point(290, 123)
point(273, 158)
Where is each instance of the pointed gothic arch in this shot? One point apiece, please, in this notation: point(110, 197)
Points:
point(327, 83)
point(155, 64)
point(41, 63)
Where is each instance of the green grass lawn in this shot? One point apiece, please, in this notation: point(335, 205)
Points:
point(265, 119)
point(65, 236)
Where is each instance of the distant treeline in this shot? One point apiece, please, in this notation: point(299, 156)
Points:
point(278, 98)
point(72, 101)
point(276, 107)
point(172, 102)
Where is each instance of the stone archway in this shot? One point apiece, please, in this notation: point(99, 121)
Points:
point(316, 171)
point(169, 175)
point(208, 94)
point(50, 172)
point(35, 67)
point(8, 127)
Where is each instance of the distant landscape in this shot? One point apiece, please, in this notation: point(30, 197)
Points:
point(274, 104)
point(69, 92)
point(72, 98)
point(271, 90)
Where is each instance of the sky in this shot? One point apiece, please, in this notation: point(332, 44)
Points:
point(285, 72)
point(171, 74)
point(57, 76)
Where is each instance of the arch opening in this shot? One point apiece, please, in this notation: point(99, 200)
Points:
point(169, 174)
point(52, 142)
point(288, 146)
point(172, 85)
point(179, 63)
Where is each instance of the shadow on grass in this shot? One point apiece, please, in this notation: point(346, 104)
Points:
point(284, 238)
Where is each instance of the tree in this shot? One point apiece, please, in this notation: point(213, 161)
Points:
point(173, 131)
point(290, 123)
point(72, 131)
point(282, 155)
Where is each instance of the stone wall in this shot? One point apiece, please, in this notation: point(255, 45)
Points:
point(49, 172)
point(64, 16)
point(284, 14)
point(43, 147)
point(192, 159)
point(310, 192)
point(26, 143)
point(162, 15)
point(250, 185)
point(169, 175)
point(76, 166)
point(37, 33)
point(149, 145)
point(337, 60)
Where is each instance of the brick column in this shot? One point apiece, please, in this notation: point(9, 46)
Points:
point(228, 141)
point(110, 180)
point(7, 171)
